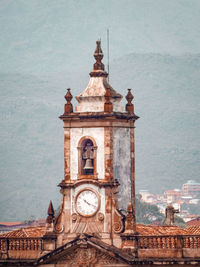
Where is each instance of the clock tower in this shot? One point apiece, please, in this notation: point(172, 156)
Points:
point(98, 162)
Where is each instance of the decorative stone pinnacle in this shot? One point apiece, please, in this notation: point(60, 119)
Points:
point(68, 96)
point(98, 67)
point(68, 106)
point(129, 105)
point(108, 106)
point(98, 55)
point(129, 219)
point(129, 208)
point(98, 51)
point(50, 213)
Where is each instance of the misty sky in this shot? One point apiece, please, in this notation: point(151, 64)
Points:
point(52, 35)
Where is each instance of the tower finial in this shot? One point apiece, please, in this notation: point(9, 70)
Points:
point(98, 67)
point(98, 50)
point(98, 55)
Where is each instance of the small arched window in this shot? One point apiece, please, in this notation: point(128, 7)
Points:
point(87, 158)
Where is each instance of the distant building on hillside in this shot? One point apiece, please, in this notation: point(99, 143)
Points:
point(188, 195)
point(147, 196)
point(173, 195)
point(191, 188)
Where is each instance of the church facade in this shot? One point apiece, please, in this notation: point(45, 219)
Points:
point(96, 224)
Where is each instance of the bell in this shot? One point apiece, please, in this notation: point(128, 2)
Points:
point(88, 165)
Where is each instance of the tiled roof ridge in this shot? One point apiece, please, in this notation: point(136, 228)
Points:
point(23, 230)
point(32, 231)
point(193, 229)
point(143, 229)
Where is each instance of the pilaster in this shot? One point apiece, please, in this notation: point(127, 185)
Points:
point(67, 153)
point(132, 141)
point(108, 152)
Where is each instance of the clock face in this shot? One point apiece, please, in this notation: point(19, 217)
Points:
point(87, 202)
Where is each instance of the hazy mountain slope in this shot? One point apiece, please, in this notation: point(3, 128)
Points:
point(167, 94)
point(166, 90)
point(42, 36)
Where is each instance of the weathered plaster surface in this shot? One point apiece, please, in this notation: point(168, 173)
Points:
point(91, 104)
point(95, 87)
point(122, 164)
point(92, 98)
point(98, 135)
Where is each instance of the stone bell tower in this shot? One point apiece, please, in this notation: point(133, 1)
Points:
point(99, 162)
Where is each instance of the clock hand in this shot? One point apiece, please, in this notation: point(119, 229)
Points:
point(89, 203)
point(86, 202)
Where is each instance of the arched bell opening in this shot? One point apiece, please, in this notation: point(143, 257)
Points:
point(87, 158)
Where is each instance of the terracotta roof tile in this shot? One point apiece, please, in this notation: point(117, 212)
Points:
point(26, 232)
point(194, 222)
point(143, 229)
point(193, 230)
